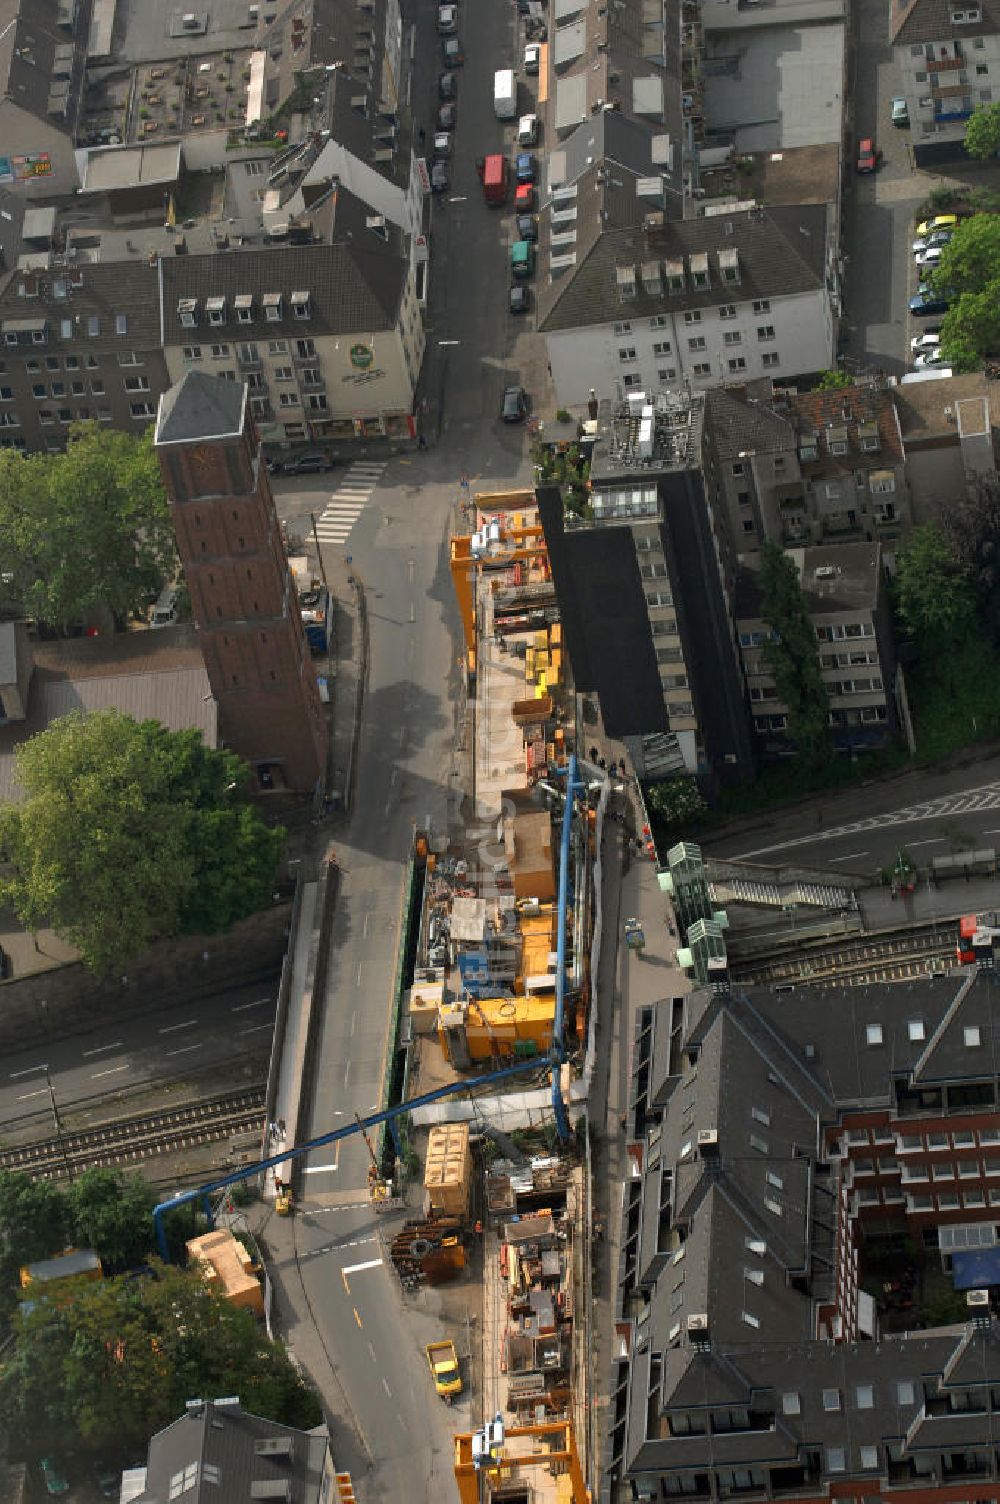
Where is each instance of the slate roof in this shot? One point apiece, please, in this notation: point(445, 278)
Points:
point(738, 425)
point(101, 290)
point(723, 1222)
point(854, 587)
point(200, 406)
point(355, 287)
point(781, 252)
point(29, 35)
point(913, 21)
point(224, 1446)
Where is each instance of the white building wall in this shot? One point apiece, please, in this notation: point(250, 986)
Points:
point(735, 341)
point(970, 62)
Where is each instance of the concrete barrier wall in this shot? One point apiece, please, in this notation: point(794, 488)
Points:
point(69, 1000)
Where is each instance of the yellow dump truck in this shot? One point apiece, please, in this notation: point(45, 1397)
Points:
point(442, 1360)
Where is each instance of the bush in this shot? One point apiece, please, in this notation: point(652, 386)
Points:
point(562, 415)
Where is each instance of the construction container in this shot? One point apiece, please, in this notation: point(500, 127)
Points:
point(448, 1170)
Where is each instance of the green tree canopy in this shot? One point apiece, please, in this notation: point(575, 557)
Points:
point(107, 1368)
point(87, 529)
point(936, 601)
point(982, 131)
point(833, 381)
point(970, 330)
point(676, 801)
point(111, 1213)
point(793, 657)
point(129, 832)
point(971, 259)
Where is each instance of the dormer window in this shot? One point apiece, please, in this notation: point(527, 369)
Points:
point(966, 17)
point(300, 305)
point(836, 440)
point(243, 303)
point(272, 307)
point(625, 280)
point(808, 450)
point(675, 275)
point(868, 436)
point(216, 310)
point(187, 312)
point(651, 281)
point(699, 270)
point(729, 265)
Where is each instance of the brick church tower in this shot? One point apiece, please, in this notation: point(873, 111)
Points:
point(243, 597)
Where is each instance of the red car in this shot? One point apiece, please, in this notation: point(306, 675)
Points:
point(867, 155)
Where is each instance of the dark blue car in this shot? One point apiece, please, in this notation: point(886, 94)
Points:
point(928, 302)
point(524, 167)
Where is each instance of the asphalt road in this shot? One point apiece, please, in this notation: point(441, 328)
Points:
point(123, 1053)
point(397, 1436)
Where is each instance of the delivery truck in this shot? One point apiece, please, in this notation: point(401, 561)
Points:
point(495, 179)
point(504, 94)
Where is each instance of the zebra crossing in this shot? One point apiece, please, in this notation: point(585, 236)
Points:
point(348, 501)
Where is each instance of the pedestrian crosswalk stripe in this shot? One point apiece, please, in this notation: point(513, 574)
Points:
point(347, 502)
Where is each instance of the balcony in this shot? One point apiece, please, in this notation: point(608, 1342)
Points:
point(947, 64)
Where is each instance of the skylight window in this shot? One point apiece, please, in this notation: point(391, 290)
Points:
point(971, 1036)
point(873, 1033)
point(759, 1115)
point(904, 1392)
point(915, 1030)
point(791, 1404)
point(831, 1400)
point(864, 1397)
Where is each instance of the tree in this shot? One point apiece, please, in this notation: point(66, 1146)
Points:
point(112, 1214)
point(971, 523)
point(87, 529)
point(971, 259)
point(116, 1362)
point(833, 381)
point(982, 131)
point(33, 1225)
point(792, 654)
point(970, 330)
point(129, 832)
point(677, 801)
point(936, 601)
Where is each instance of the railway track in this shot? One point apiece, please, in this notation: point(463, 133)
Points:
point(132, 1140)
point(898, 958)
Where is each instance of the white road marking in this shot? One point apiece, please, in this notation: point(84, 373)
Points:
point(102, 1049)
point(115, 1069)
point(184, 1049)
point(175, 1028)
point(850, 857)
point(318, 1169)
point(354, 1023)
point(29, 1070)
point(364, 927)
point(348, 502)
point(256, 1028)
point(930, 841)
point(29, 1094)
point(357, 1268)
point(385, 1386)
point(347, 1072)
point(357, 979)
point(258, 1003)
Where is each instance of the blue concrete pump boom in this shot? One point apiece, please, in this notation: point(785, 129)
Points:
point(453, 1089)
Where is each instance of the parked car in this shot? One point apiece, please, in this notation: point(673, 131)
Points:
point(532, 59)
point(514, 406)
point(924, 242)
point(442, 144)
point(527, 227)
point(440, 179)
point(929, 339)
point(525, 167)
point(900, 113)
point(520, 298)
point(451, 52)
point(527, 130)
point(447, 116)
point(929, 360)
point(447, 86)
point(447, 22)
point(55, 1478)
point(312, 463)
point(524, 198)
point(867, 155)
point(931, 257)
point(927, 301)
point(939, 222)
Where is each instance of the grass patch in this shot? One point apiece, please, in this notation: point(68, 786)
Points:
point(955, 699)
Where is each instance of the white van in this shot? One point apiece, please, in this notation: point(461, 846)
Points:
point(527, 130)
point(164, 613)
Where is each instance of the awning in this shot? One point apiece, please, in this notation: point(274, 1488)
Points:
point(976, 1268)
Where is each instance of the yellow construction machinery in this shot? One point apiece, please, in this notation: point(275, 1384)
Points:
point(493, 1459)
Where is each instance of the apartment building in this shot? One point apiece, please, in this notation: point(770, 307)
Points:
point(949, 432)
point(696, 302)
point(808, 468)
point(779, 1150)
point(79, 340)
point(642, 580)
point(328, 336)
point(948, 55)
point(42, 59)
point(845, 591)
